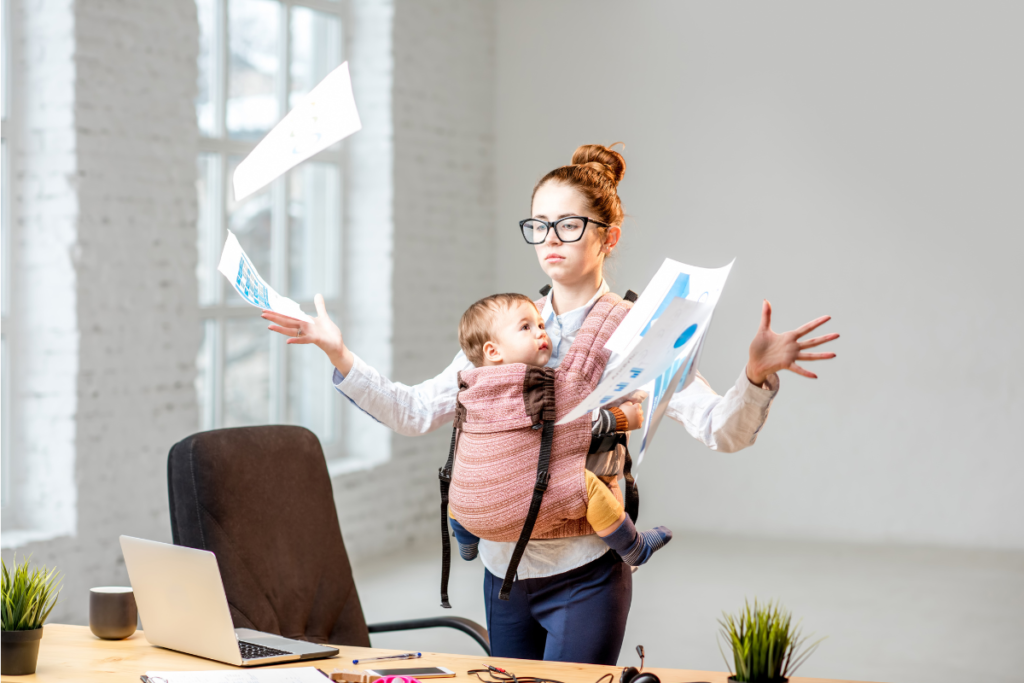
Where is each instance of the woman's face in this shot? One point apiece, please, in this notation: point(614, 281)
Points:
point(573, 262)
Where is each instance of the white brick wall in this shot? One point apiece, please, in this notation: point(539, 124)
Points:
point(137, 299)
point(108, 324)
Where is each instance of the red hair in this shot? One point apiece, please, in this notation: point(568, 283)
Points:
point(595, 173)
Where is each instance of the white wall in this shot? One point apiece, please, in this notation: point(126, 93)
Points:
point(858, 159)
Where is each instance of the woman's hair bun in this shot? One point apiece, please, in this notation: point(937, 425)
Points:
point(602, 159)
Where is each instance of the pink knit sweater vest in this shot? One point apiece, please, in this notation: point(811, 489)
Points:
point(497, 414)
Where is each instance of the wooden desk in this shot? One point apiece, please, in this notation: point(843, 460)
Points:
point(72, 653)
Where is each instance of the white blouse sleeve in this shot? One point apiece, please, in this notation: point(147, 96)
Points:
point(409, 410)
point(724, 423)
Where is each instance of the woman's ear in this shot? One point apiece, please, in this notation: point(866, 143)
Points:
point(491, 352)
point(611, 238)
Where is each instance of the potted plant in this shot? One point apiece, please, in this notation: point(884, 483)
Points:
point(28, 599)
point(766, 645)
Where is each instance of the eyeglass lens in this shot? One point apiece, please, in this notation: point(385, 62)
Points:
point(567, 230)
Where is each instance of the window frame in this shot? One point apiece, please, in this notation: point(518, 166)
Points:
point(220, 148)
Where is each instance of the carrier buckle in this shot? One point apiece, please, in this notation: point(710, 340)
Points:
point(444, 474)
point(542, 481)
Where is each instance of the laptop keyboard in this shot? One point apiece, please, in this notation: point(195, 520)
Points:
point(254, 651)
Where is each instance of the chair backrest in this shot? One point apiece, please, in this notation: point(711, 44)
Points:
point(260, 498)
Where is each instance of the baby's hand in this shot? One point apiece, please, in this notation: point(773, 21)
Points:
point(634, 414)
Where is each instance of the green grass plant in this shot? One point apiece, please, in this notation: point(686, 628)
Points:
point(766, 645)
point(28, 596)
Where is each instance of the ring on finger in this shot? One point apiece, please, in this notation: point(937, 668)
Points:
point(299, 333)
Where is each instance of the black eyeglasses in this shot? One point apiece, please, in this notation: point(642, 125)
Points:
point(568, 229)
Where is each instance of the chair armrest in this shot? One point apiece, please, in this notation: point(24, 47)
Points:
point(467, 626)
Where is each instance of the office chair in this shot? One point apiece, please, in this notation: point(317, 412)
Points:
point(260, 498)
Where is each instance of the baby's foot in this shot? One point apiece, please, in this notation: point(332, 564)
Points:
point(468, 543)
point(468, 551)
point(636, 547)
point(647, 543)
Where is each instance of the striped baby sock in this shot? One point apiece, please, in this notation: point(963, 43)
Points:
point(636, 547)
point(468, 543)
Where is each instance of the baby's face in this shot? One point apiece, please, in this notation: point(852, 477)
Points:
point(518, 337)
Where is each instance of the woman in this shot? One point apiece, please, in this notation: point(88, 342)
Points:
point(572, 595)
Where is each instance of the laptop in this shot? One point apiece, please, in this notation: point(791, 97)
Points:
point(183, 607)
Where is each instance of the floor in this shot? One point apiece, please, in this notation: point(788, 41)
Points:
point(913, 615)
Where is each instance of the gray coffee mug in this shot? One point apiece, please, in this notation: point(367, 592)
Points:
point(112, 612)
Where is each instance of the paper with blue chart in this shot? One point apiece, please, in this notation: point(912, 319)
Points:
point(659, 342)
point(323, 117)
point(236, 266)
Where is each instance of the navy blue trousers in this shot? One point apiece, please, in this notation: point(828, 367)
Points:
point(577, 616)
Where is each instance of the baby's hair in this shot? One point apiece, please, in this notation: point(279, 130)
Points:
point(475, 328)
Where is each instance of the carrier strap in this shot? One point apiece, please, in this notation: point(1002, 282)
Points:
point(632, 494)
point(601, 443)
point(445, 475)
point(543, 462)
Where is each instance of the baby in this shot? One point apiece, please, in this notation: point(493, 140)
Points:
point(507, 328)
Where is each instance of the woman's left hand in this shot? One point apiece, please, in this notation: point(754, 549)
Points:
point(771, 351)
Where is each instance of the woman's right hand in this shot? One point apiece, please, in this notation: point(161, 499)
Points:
point(321, 331)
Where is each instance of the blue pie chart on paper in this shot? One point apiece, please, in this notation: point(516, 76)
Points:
point(685, 336)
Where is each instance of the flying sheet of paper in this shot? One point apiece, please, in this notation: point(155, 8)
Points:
point(679, 375)
point(241, 273)
point(677, 331)
point(673, 280)
point(325, 115)
point(661, 340)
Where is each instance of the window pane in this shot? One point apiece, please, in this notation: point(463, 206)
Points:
point(310, 402)
point(314, 230)
point(208, 52)
point(252, 67)
point(209, 240)
point(250, 220)
point(315, 48)
point(205, 380)
point(246, 372)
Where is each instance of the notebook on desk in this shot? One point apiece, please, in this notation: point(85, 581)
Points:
point(305, 674)
point(183, 607)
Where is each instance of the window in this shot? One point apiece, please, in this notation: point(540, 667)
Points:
point(256, 59)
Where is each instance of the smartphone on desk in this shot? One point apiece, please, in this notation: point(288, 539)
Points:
point(415, 671)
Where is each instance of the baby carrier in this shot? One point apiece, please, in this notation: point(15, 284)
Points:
point(506, 450)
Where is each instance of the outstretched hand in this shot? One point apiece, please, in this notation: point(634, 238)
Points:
point(771, 352)
point(321, 331)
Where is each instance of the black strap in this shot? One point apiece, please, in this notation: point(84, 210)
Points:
point(541, 485)
point(445, 475)
point(602, 443)
point(632, 494)
point(544, 290)
point(629, 296)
